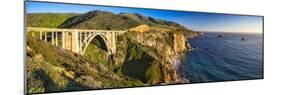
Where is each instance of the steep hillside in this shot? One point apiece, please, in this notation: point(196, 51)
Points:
point(51, 68)
point(151, 21)
point(51, 20)
point(109, 21)
point(99, 20)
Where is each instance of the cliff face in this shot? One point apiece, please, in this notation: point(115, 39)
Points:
point(141, 28)
point(179, 43)
point(166, 47)
point(150, 64)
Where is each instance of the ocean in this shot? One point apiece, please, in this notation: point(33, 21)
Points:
point(223, 57)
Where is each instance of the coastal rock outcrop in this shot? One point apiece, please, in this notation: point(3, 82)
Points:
point(141, 28)
point(165, 48)
point(179, 42)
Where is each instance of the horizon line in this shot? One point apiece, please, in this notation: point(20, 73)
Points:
point(204, 31)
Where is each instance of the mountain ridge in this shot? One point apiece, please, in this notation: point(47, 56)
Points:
point(102, 20)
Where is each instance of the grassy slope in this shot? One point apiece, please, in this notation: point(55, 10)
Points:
point(51, 69)
point(50, 20)
point(99, 20)
point(141, 62)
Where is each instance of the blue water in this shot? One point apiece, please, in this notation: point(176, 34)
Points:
point(224, 58)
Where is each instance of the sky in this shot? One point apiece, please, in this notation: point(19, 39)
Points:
point(197, 21)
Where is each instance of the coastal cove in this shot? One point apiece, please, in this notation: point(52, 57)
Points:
point(106, 47)
point(220, 56)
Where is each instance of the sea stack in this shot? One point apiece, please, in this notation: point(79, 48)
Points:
point(220, 35)
point(242, 39)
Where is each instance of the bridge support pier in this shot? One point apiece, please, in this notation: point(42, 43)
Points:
point(53, 38)
point(74, 42)
point(63, 39)
point(45, 36)
point(41, 36)
point(56, 38)
point(71, 41)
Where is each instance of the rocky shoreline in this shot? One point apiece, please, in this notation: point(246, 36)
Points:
point(178, 62)
point(169, 47)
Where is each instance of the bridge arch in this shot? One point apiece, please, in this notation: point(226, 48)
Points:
point(90, 38)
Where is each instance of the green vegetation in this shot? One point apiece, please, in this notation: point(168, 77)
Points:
point(92, 52)
point(136, 58)
point(48, 20)
point(99, 20)
point(153, 74)
point(108, 21)
point(150, 21)
point(51, 69)
point(97, 47)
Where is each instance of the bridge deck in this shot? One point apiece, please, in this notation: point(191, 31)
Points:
point(38, 29)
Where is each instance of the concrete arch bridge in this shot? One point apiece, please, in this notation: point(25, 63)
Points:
point(75, 40)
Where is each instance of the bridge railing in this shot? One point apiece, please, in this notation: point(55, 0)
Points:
point(68, 30)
